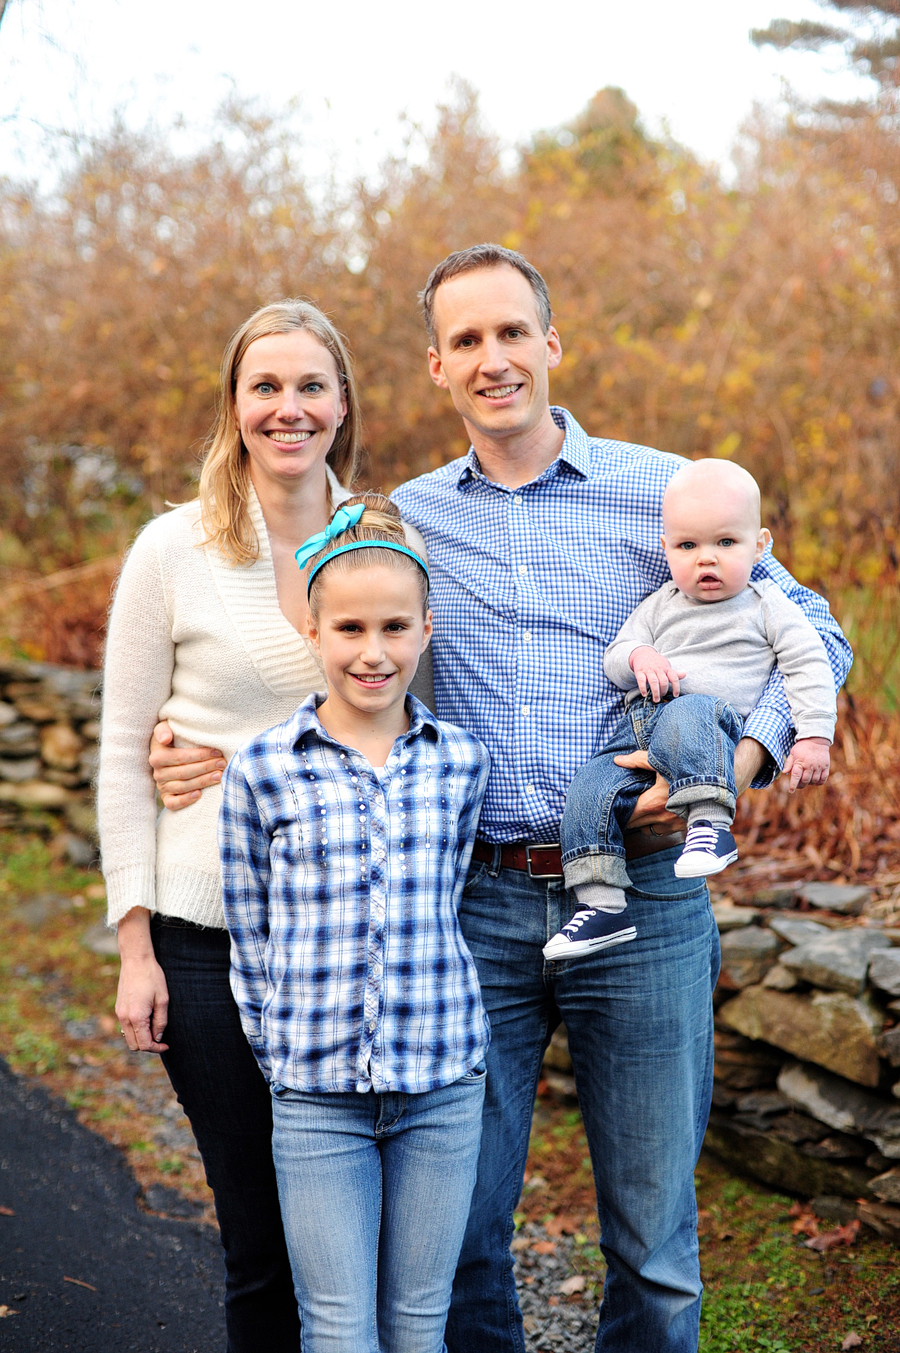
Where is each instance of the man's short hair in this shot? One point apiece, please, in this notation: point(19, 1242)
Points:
point(483, 256)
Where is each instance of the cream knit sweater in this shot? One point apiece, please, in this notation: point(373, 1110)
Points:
point(202, 643)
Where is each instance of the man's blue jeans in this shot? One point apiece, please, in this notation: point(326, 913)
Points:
point(690, 741)
point(375, 1191)
point(639, 1019)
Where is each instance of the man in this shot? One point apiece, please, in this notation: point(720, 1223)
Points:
point(542, 541)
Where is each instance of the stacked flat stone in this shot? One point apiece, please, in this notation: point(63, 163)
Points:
point(48, 751)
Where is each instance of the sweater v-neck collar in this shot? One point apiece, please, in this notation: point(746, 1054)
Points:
point(283, 658)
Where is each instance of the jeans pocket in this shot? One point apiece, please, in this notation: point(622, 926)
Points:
point(475, 875)
point(477, 1073)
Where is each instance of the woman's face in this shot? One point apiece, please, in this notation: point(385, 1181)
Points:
point(289, 403)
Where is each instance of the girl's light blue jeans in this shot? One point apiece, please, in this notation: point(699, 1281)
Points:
point(375, 1192)
point(690, 742)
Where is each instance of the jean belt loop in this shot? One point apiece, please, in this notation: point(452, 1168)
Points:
point(494, 866)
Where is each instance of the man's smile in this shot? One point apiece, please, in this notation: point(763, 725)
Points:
point(499, 391)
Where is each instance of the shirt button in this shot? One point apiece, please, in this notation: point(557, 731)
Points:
point(529, 789)
point(517, 499)
point(523, 568)
point(371, 1026)
point(526, 710)
point(526, 636)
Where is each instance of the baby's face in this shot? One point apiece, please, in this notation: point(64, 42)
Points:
point(711, 542)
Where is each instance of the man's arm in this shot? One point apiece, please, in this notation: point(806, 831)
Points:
point(650, 810)
point(771, 723)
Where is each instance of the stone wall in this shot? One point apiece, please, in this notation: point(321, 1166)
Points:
point(807, 1089)
point(48, 753)
point(807, 1079)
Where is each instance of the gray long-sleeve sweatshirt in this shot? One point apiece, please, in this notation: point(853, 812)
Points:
point(728, 649)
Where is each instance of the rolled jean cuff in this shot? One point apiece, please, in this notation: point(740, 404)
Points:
point(688, 794)
point(592, 867)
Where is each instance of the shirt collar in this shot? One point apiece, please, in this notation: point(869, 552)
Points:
point(305, 721)
point(575, 452)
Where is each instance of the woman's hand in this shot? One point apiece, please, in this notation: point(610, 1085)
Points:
point(181, 773)
point(142, 1001)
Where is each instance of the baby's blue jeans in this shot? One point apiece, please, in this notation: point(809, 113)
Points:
point(690, 741)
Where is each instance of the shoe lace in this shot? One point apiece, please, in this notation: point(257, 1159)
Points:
point(701, 837)
point(578, 920)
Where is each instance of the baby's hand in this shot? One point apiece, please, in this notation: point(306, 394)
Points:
point(654, 673)
point(808, 763)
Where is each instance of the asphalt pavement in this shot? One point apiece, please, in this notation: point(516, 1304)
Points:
point(83, 1268)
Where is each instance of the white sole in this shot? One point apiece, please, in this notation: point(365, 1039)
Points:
point(702, 869)
point(578, 948)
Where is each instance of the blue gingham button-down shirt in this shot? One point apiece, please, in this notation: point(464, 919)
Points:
point(529, 586)
point(341, 888)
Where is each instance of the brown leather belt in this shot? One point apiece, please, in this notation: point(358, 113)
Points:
point(544, 861)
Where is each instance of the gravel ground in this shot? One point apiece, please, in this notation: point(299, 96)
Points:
point(559, 1285)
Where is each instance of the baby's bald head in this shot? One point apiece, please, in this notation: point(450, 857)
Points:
point(711, 529)
point(732, 488)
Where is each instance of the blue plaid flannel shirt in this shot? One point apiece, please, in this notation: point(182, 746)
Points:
point(341, 888)
point(529, 585)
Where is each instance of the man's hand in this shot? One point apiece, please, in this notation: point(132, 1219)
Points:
point(181, 773)
point(654, 673)
point(650, 809)
point(808, 763)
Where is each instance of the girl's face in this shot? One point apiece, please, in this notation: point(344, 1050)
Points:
point(370, 632)
point(289, 403)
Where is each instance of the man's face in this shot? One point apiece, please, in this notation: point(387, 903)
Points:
point(491, 353)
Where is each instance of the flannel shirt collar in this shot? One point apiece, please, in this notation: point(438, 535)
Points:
point(304, 723)
point(575, 454)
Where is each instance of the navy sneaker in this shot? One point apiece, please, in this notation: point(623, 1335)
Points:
point(589, 929)
point(707, 850)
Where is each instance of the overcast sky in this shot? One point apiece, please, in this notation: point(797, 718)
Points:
point(356, 66)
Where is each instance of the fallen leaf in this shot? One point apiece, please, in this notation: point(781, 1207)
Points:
point(561, 1225)
point(852, 1341)
point(576, 1283)
point(829, 1240)
point(6, 1212)
point(5, 1311)
point(79, 1283)
point(544, 1247)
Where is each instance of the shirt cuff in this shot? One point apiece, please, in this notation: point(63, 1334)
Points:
point(776, 735)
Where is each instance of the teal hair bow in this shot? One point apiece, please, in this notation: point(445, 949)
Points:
point(343, 519)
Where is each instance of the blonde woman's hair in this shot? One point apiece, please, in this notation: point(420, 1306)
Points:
point(225, 477)
point(380, 521)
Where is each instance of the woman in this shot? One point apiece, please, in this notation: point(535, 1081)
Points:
point(206, 631)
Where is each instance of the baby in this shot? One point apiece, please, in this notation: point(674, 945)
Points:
point(694, 657)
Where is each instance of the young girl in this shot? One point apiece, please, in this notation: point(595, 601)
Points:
point(345, 835)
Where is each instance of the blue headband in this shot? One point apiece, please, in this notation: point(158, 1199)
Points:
point(367, 545)
point(343, 519)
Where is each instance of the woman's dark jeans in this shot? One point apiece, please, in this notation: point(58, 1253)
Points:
point(225, 1096)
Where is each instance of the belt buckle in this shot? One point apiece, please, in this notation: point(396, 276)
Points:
point(554, 874)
